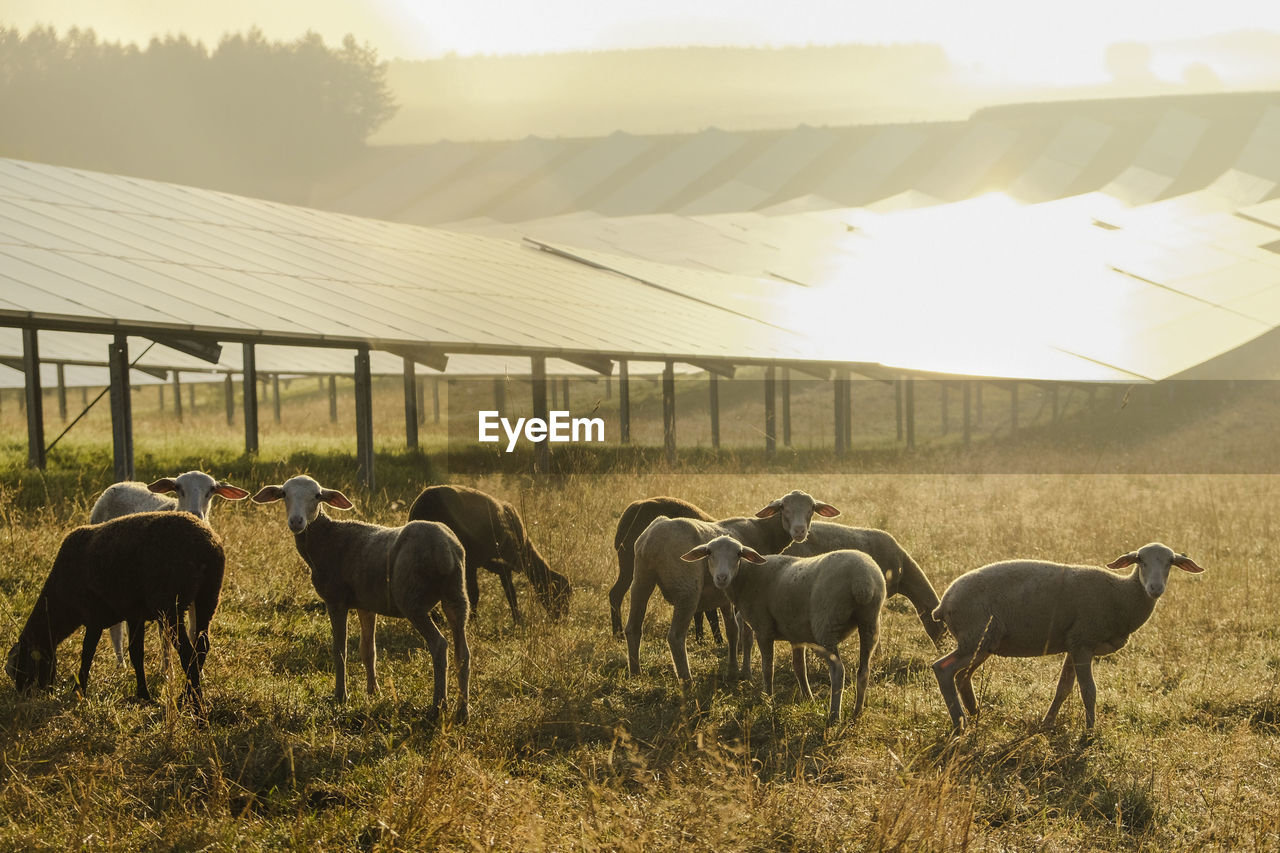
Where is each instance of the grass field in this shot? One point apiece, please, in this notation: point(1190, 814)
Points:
point(564, 751)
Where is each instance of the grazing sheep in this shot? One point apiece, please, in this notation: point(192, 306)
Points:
point(1028, 608)
point(139, 567)
point(195, 491)
point(657, 561)
point(901, 574)
point(493, 536)
point(635, 518)
point(400, 572)
point(813, 601)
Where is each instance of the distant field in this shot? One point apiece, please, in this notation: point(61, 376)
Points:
point(565, 751)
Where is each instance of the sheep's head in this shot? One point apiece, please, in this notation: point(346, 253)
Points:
point(1154, 562)
point(723, 554)
point(29, 667)
point(302, 497)
point(796, 511)
point(195, 490)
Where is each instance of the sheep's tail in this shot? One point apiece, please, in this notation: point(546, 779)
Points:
point(625, 523)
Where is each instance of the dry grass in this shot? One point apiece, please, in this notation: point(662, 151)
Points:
point(565, 751)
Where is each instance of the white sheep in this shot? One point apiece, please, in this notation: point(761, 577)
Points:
point(1028, 608)
point(902, 575)
point(400, 572)
point(807, 601)
point(194, 492)
point(657, 562)
point(143, 566)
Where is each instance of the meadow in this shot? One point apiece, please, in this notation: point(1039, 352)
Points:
point(565, 751)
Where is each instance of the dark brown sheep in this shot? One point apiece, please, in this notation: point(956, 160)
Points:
point(137, 568)
point(493, 536)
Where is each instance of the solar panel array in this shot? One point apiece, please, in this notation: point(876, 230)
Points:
point(1137, 151)
point(85, 251)
point(1160, 289)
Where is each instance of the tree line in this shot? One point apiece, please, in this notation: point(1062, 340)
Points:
point(249, 115)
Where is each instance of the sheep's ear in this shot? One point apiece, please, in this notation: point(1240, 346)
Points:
point(230, 492)
point(751, 555)
point(826, 510)
point(694, 555)
point(770, 511)
point(269, 494)
point(164, 484)
point(1187, 564)
point(1127, 560)
point(336, 499)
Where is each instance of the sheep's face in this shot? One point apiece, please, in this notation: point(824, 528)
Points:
point(29, 667)
point(795, 510)
point(1154, 562)
point(195, 490)
point(723, 555)
point(302, 497)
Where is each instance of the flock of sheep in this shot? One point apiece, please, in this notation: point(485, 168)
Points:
point(780, 574)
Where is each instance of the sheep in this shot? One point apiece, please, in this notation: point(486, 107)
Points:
point(635, 518)
point(901, 573)
point(195, 491)
point(493, 536)
point(657, 561)
point(1028, 608)
point(811, 601)
point(400, 572)
point(150, 565)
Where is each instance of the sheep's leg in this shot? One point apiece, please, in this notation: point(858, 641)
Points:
point(137, 634)
point(461, 656)
point(735, 639)
point(509, 588)
point(439, 648)
point(626, 570)
point(944, 669)
point(641, 589)
point(713, 622)
point(338, 622)
point(177, 633)
point(964, 682)
point(1066, 680)
point(117, 641)
point(1084, 675)
point(801, 670)
point(92, 636)
point(698, 619)
point(766, 662)
point(473, 586)
point(835, 667)
point(369, 649)
point(867, 638)
point(681, 618)
point(738, 626)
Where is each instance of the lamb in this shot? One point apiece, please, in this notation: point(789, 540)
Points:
point(635, 518)
point(1028, 608)
point(493, 536)
point(400, 572)
point(657, 561)
point(813, 601)
point(195, 491)
point(150, 565)
point(901, 573)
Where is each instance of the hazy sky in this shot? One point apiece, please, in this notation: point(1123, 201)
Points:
point(1032, 40)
